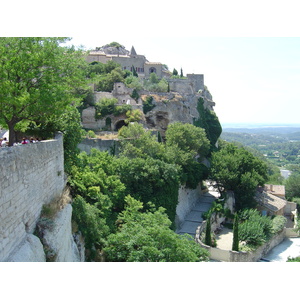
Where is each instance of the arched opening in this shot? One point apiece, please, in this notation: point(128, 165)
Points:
point(120, 124)
point(152, 70)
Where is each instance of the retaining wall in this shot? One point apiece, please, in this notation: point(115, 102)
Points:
point(241, 256)
point(31, 175)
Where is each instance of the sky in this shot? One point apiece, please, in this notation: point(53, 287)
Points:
point(248, 51)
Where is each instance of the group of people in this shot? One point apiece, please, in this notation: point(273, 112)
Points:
point(4, 141)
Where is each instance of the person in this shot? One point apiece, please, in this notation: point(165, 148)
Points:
point(4, 142)
point(24, 142)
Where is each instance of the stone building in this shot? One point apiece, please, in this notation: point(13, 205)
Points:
point(128, 60)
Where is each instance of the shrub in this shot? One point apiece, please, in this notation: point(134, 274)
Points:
point(278, 223)
point(105, 107)
point(255, 229)
point(148, 104)
point(91, 134)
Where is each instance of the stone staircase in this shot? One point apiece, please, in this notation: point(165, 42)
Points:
point(194, 218)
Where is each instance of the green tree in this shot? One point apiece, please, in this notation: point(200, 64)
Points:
point(188, 138)
point(148, 104)
point(292, 185)
point(208, 239)
point(105, 107)
point(238, 170)
point(186, 146)
point(39, 79)
point(91, 224)
point(209, 121)
point(135, 74)
point(181, 73)
point(235, 242)
point(175, 72)
point(146, 237)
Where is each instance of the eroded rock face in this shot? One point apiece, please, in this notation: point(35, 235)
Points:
point(170, 108)
point(56, 236)
point(31, 250)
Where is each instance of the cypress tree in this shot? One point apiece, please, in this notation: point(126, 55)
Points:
point(208, 241)
point(181, 73)
point(134, 71)
point(235, 242)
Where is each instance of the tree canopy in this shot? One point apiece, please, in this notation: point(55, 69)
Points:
point(146, 237)
point(237, 169)
point(39, 79)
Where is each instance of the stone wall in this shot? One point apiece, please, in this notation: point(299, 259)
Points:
point(241, 256)
point(31, 175)
point(187, 199)
point(102, 145)
point(190, 85)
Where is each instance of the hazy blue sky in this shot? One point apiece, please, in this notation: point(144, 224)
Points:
point(252, 74)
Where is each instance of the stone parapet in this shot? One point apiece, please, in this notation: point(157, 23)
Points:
point(31, 175)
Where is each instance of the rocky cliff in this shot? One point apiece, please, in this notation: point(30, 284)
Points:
point(53, 241)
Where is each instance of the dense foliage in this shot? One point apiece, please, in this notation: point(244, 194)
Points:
point(147, 237)
point(209, 121)
point(238, 170)
point(278, 147)
point(255, 229)
point(148, 171)
point(105, 75)
point(39, 81)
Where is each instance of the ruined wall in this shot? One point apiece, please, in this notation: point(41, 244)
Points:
point(31, 175)
point(102, 145)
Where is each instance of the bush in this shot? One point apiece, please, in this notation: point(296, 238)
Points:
point(278, 223)
point(104, 107)
point(255, 229)
point(148, 104)
point(91, 134)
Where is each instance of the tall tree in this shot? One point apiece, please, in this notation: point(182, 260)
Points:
point(175, 72)
point(39, 79)
point(235, 242)
point(238, 170)
point(208, 240)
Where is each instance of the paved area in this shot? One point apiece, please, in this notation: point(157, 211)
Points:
point(194, 218)
point(224, 239)
point(288, 247)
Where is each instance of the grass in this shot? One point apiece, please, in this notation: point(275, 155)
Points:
point(51, 209)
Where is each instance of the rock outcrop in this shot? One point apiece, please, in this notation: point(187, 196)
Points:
point(54, 241)
point(57, 239)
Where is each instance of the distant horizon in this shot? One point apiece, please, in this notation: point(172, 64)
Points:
point(256, 125)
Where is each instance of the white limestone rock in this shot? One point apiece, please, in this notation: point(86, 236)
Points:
point(58, 239)
point(31, 250)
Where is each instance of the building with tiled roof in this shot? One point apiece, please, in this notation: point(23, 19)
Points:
point(277, 190)
point(127, 59)
point(271, 204)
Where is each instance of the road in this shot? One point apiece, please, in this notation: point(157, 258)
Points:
point(288, 247)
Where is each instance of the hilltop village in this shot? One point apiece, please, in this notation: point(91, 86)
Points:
point(178, 102)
